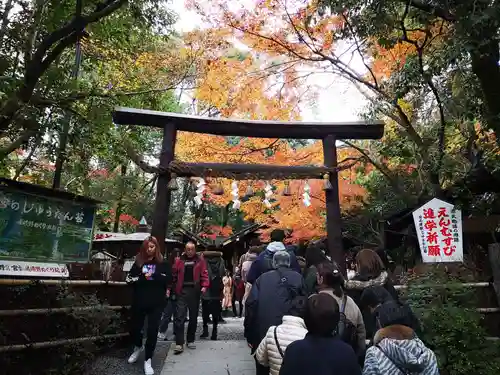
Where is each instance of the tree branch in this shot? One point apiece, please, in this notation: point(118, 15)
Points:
point(432, 9)
point(434, 175)
point(138, 159)
point(56, 42)
point(18, 142)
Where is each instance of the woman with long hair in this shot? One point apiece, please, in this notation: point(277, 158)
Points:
point(370, 272)
point(150, 276)
point(330, 281)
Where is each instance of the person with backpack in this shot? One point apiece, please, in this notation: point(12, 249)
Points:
point(271, 297)
point(271, 349)
point(264, 261)
point(351, 328)
point(211, 300)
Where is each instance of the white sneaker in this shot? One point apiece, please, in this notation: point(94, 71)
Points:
point(135, 355)
point(148, 369)
point(161, 336)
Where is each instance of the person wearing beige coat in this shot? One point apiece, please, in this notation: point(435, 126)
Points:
point(292, 329)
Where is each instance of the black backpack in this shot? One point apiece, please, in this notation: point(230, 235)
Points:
point(346, 330)
point(216, 284)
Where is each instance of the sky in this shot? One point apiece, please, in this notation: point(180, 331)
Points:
point(337, 99)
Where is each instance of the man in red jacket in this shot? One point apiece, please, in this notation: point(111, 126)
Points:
point(190, 281)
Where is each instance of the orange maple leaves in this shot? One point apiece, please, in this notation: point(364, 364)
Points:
point(286, 211)
point(239, 83)
point(389, 60)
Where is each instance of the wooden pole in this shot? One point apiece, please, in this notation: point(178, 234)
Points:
point(333, 218)
point(15, 282)
point(59, 310)
point(51, 344)
point(163, 194)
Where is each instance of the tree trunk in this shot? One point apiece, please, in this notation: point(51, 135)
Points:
point(485, 67)
point(119, 203)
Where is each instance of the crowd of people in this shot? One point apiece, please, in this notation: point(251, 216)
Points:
point(300, 314)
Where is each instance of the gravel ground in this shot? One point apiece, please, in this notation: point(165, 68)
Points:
point(115, 362)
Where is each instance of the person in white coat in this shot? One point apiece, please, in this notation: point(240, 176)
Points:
point(272, 348)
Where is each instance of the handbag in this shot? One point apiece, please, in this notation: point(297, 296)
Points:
point(277, 343)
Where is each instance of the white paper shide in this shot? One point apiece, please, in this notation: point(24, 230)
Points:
point(439, 232)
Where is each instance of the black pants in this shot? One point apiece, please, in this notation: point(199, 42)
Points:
point(240, 302)
point(153, 314)
point(259, 369)
point(189, 299)
point(166, 317)
point(211, 307)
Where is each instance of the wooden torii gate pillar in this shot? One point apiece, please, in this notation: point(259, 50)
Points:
point(329, 133)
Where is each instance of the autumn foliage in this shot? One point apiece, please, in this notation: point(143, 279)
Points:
point(259, 78)
point(287, 211)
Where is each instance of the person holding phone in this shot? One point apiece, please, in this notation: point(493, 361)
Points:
point(150, 276)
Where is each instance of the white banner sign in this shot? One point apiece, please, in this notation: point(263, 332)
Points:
point(439, 232)
point(33, 269)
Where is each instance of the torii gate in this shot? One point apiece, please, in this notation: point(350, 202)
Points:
point(329, 133)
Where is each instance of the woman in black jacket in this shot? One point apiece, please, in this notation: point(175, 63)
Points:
point(150, 275)
point(370, 272)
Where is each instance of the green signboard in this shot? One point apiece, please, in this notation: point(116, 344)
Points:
point(33, 227)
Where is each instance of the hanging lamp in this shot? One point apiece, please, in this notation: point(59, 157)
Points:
point(327, 185)
point(218, 189)
point(172, 184)
point(249, 192)
point(286, 190)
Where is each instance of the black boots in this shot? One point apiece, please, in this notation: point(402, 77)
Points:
point(204, 334)
point(214, 333)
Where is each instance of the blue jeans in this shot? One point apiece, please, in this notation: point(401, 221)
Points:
point(166, 317)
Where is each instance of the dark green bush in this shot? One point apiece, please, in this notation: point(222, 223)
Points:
point(65, 359)
point(451, 324)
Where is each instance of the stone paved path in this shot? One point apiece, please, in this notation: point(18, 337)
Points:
point(230, 352)
point(229, 355)
point(211, 358)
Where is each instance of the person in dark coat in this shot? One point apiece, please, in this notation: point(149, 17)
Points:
point(211, 300)
point(272, 296)
point(263, 263)
point(370, 271)
point(314, 257)
point(378, 300)
point(238, 292)
point(169, 310)
point(320, 352)
point(150, 276)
